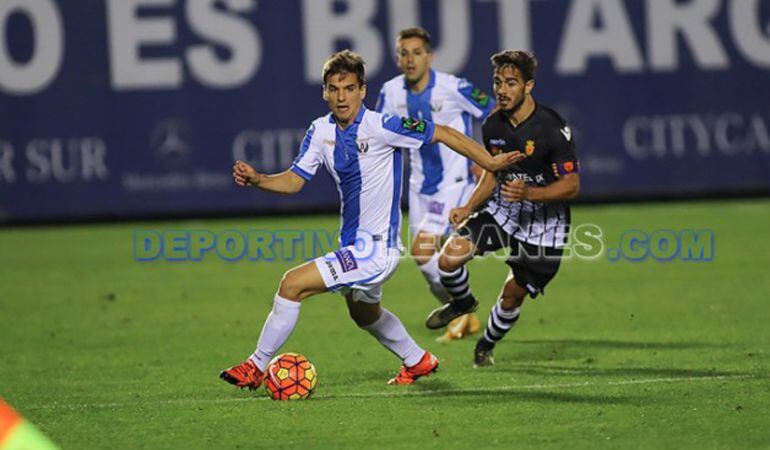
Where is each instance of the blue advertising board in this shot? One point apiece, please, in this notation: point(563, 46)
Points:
point(118, 108)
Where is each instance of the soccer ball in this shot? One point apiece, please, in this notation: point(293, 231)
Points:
point(290, 376)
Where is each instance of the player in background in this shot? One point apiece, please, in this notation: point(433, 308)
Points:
point(440, 178)
point(361, 149)
point(524, 207)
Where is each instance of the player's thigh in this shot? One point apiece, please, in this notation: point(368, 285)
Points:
point(424, 246)
point(429, 213)
point(362, 313)
point(301, 282)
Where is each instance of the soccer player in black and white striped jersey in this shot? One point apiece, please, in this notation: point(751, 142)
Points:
point(524, 207)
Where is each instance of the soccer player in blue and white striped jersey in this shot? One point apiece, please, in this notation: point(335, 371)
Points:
point(440, 178)
point(361, 149)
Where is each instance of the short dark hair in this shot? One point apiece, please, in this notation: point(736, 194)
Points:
point(415, 32)
point(524, 61)
point(345, 61)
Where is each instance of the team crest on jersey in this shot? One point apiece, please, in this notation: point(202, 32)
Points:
point(363, 146)
point(416, 125)
point(480, 97)
point(436, 105)
point(529, 149)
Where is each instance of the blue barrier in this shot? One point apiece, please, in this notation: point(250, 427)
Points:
point(137, 107)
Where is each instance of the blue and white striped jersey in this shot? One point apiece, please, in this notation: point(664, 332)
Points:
point(366, 161)
point(447, 100)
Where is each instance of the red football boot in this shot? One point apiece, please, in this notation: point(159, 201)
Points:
point(245, 374)
point(408, 375)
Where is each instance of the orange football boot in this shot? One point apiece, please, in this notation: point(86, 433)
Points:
point(408, 375)
point(245, 374)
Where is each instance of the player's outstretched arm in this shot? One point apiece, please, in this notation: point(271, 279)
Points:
point(469, 148)
point(281, 183)
point(483, 190)
point(565, 188)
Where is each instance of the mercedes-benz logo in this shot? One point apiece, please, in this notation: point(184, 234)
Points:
point(170, 140)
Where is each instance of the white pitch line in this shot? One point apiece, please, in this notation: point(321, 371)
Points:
point(392, 394)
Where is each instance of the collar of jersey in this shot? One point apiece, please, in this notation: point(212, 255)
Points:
point(358, 119)
point(431, 82)
point(522, 123)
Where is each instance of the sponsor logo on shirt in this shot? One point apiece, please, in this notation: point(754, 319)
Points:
point(497, 141)
point(346, 259)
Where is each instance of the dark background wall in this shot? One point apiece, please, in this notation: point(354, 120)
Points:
point(126, 108)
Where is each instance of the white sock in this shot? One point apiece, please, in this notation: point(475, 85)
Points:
point(392, 334)
point(277, 329)
point(430, 272)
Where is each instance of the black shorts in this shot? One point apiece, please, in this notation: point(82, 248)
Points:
point(533, 266)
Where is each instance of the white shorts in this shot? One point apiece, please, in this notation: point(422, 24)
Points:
point(359, 272)
point(430, 213)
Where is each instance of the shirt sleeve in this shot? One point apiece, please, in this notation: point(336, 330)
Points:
point(309, 158)
point(563, 156)
point(406, 132)
point(473, 100)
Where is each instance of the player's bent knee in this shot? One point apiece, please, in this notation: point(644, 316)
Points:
point(422, 251)
point(447, 263)
point(452, 259)
point(291, 287)
point(510, 302)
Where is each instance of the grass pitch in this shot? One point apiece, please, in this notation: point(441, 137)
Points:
point(101, 351)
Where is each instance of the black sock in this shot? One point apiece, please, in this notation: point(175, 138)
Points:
point(500, 322)
point(456, 283)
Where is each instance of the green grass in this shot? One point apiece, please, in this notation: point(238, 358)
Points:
point(100, 351)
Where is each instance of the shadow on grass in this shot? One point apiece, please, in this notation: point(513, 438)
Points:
point(625, 372)
point(487, 395)
point(612, 344)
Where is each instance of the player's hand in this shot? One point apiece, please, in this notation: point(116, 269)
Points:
point(514, 191)
point(504, 160)
point(244, 174)
point(458, 215)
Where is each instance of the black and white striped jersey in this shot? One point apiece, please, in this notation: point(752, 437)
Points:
point(547, 141)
